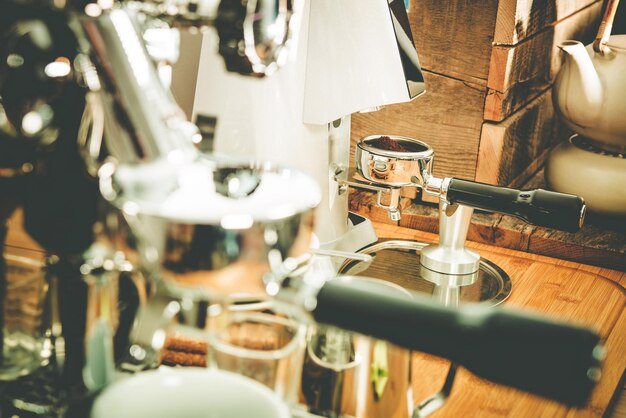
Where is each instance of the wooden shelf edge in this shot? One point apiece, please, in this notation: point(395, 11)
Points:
point(589, 246)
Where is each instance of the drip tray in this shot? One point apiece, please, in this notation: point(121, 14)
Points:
point(398, 261)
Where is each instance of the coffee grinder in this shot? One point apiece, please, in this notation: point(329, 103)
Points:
point(300, 116)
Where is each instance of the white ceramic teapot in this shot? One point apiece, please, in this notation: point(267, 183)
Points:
point(589, 89)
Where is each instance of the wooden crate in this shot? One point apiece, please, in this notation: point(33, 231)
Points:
point(485, 62)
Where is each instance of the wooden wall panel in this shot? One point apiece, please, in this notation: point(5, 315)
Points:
point(521, 19)
point(518, 73)
point(454, 37)
point(511, 151)
point(448, 117)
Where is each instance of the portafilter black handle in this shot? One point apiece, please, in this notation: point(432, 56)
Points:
point(535, 354)
point(538, 207)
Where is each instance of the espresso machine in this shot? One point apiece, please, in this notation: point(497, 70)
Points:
point(200, 228)
point(302, 119)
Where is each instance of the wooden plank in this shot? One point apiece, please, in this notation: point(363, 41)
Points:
point(448, 117)
point(509, 148)
point(591, 245)
point(518, 73)
point(521, 19)
point(441, 32)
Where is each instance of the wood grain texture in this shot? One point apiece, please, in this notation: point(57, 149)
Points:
point(469, 79)
point(521, 19)
point(507, 149)
point(520, 72)
point(448, 117)
point(454, 37)
point(566, 291)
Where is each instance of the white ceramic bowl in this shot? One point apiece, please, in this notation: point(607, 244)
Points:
point(188, 393)
point(598, 178)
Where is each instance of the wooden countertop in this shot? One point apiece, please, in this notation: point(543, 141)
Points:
point(594, 296)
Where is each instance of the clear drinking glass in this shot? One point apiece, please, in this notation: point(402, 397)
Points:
point(262, 342)
point(23, 297)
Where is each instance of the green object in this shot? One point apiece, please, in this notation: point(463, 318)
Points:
point(380, 369)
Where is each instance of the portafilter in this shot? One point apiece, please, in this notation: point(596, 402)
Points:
point(392, 162)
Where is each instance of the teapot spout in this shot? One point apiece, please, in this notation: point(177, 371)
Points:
point(578, 91)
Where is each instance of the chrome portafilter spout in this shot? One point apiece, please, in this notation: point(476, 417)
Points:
point(393, 161)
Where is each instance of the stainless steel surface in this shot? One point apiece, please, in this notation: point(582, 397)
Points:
point(103, 272)
point(142, 121)
point(196, 13)
point(392, 167)
point(91, 133)
point(212, 231)
point(400, 161)
point(224, 235)
point(350, 375)
point(254, 34)
point(388, 162)
point(398, 261)
point(451, 256)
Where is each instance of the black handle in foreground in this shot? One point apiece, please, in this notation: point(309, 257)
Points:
point(555, 360)
point(539, 207)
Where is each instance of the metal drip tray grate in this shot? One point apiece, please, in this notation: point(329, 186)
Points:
point(398, 261)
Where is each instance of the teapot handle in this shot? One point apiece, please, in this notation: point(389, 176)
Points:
point(604, 31)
